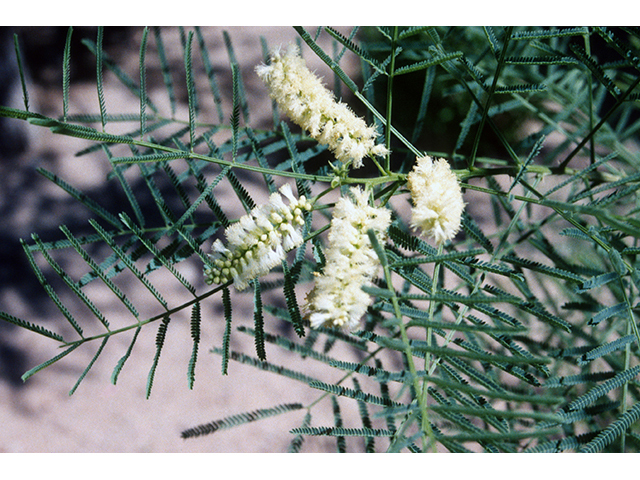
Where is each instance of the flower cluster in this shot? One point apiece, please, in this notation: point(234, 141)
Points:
point(437, 199)
point(305, 100)
point(337, 298)
point(258, 241)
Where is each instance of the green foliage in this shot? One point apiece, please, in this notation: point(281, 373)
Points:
point(519, 335)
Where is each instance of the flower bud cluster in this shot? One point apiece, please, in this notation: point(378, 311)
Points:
point(437, 199)
point(337, 298)
point(258, 241)
point(305, 100)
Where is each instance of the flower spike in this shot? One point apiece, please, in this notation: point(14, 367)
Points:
point(306, 101)
point(337, 298)
point(437, 199)
point(258, 241)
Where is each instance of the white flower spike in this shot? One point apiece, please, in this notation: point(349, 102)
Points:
point(337, 298)
point(437, 199)
point(305, 100)
point(258, 241)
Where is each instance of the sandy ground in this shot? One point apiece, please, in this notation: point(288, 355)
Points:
point(39, 415)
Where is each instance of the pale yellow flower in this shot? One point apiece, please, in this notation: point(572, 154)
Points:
point(258, 241)
point(337, 298)
point(437, 199)
point(306, 101)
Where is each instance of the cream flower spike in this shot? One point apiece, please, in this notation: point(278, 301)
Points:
point(305, 100)
point(337, 298)
point(258, 241)
point(437, 199)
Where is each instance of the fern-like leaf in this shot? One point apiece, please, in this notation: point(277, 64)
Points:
point(606, 349)
point(23, 82)
point(71, 284)
point(89, 203)
point(613, 431)
point(157, 254)
point(191, 90)
point(260, 157)
point(341, 443)
point(405, 262)
point(557, 446)
point(304, 350)
point(120, 74)
point(118, 368)
point(258, 321)
point(341, 391)
point(625, 50)
point(370, 445)
point(88, 367)
point(49, 362)
point(348, 43)
point(52, 294)
point(240, 191)
point(471, 228)
point(608, 312)
point(30, 326)
point(213, 83)
point(66, 74)
point(143, 83)
point(596, 70)
point(304, 35)
point(521, 88)
point(480, 356)
point(296, 443)
point(226, 337)
point(160, 337)
point(234, 64)
point(196, 320)
point(560, 382)
point(98, 271)
point(342, 432)
point(602, 389)
point(550, 33)
point(501, 394)
point(483, 413)
point(239, 419)
point(127, 260)
point(424, 64)
point(164, 67)
point(514, 436)
point(544, 269)
point(292, 302)
point(266, 366)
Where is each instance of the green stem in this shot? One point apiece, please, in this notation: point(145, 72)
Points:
point(390, 128)
point(427, 359)
point(432, 308)
point(160, 316)
point(428, 436)
point(392, 67)
point(592, 149)
point(485, 110)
